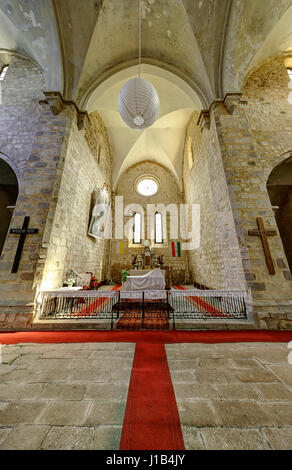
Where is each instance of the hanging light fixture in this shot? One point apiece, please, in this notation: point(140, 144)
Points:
point(138, 98)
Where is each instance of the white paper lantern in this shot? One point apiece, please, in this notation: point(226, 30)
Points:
point(138, 103)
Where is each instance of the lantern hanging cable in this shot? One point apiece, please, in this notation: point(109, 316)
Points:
point(140, 37)
point(138, 98)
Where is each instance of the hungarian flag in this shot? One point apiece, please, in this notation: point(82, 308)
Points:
point(175, 249)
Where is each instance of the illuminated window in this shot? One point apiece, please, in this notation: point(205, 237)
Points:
point(137, 228)
point(158, 228)
point(190, 153)
point(3, 71)
point(147, 186)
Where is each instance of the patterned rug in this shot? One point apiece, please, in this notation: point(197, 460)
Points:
point(155, 315)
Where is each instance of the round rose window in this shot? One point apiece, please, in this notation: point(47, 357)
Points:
point(147, 186)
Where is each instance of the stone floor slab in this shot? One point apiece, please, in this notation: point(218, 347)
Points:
point(19, 391)
point(62, 391)
point(196, 413)
point(69, 438)
point(237, 391)
point(28, 437)
point(192, 438)
point(283, 372)
point(274, 391)
point(240, 413)
point(234, 439)
point(21, 412)
point(106, 413)
point(64, 413)
point(107, 437)
point(279, 438)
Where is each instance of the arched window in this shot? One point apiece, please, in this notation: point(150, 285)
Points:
point(158, 228)
point(137, 228)
point(190, 153)
point(3, 71)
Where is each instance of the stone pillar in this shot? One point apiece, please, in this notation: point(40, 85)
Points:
point(38, 194)
point(249, 199)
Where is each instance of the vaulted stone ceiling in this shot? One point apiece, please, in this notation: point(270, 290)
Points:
point(210, 45)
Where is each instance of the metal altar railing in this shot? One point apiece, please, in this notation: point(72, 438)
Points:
point(142, 310)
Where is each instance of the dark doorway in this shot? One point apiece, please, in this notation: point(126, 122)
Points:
point(8, 196)
point(280, 191)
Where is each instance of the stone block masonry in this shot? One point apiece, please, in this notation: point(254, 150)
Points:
point(168, 193)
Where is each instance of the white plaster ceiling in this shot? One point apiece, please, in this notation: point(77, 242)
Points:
point(163, 141)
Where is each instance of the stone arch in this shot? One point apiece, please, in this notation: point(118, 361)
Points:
point(276, 162)
point(21, 91)
point(8, 196)
point(11, 163)
point(279, 187)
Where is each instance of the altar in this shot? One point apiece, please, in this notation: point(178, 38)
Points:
point(142, 272)
point(151, 280)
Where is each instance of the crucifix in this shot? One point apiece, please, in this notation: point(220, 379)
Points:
point(263, 234)
point(23, 232)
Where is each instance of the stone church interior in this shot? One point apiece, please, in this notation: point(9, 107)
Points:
point(220, 140)
point(145, 225)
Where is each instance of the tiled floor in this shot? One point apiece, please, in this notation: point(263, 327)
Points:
point(73, 396)
point(64, 396)
point(233, 396)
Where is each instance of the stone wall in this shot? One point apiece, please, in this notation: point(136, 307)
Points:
point(69, 245)
point(217, 263)
point(268, 91)
point(168, 193)
point(205, 263)
point(20, 92)
point(36, 199)
point(249, 200)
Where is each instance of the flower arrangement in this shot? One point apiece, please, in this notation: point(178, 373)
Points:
point(125, 274)
point(69, 282)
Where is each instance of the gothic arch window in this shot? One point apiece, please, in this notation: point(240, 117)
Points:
point(158, 228)
point(190, 153)
point(137, 228)
point(3, 71)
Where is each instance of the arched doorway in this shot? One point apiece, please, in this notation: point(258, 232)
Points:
point(279, 187)
point(8, 196)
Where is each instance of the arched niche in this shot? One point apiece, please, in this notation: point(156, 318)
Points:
point(279, 187)
point(8, 196)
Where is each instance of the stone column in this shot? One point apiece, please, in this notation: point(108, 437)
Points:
point(38, 194)
point(249, 199)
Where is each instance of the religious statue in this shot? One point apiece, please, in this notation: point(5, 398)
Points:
point(160, 261)
point(135, 261)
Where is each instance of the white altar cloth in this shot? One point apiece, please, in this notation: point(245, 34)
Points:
point(152, 280)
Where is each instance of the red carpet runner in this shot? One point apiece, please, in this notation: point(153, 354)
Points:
point(151, 419)
point(160, 337)
point(204, 307)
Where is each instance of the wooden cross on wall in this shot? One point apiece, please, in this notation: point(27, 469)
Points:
point(261, 232)
point(23, 232)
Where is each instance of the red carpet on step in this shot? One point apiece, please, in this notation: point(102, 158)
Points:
point(92, 308)
point(164, 337)
point(206, 308)
point(151, 419)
